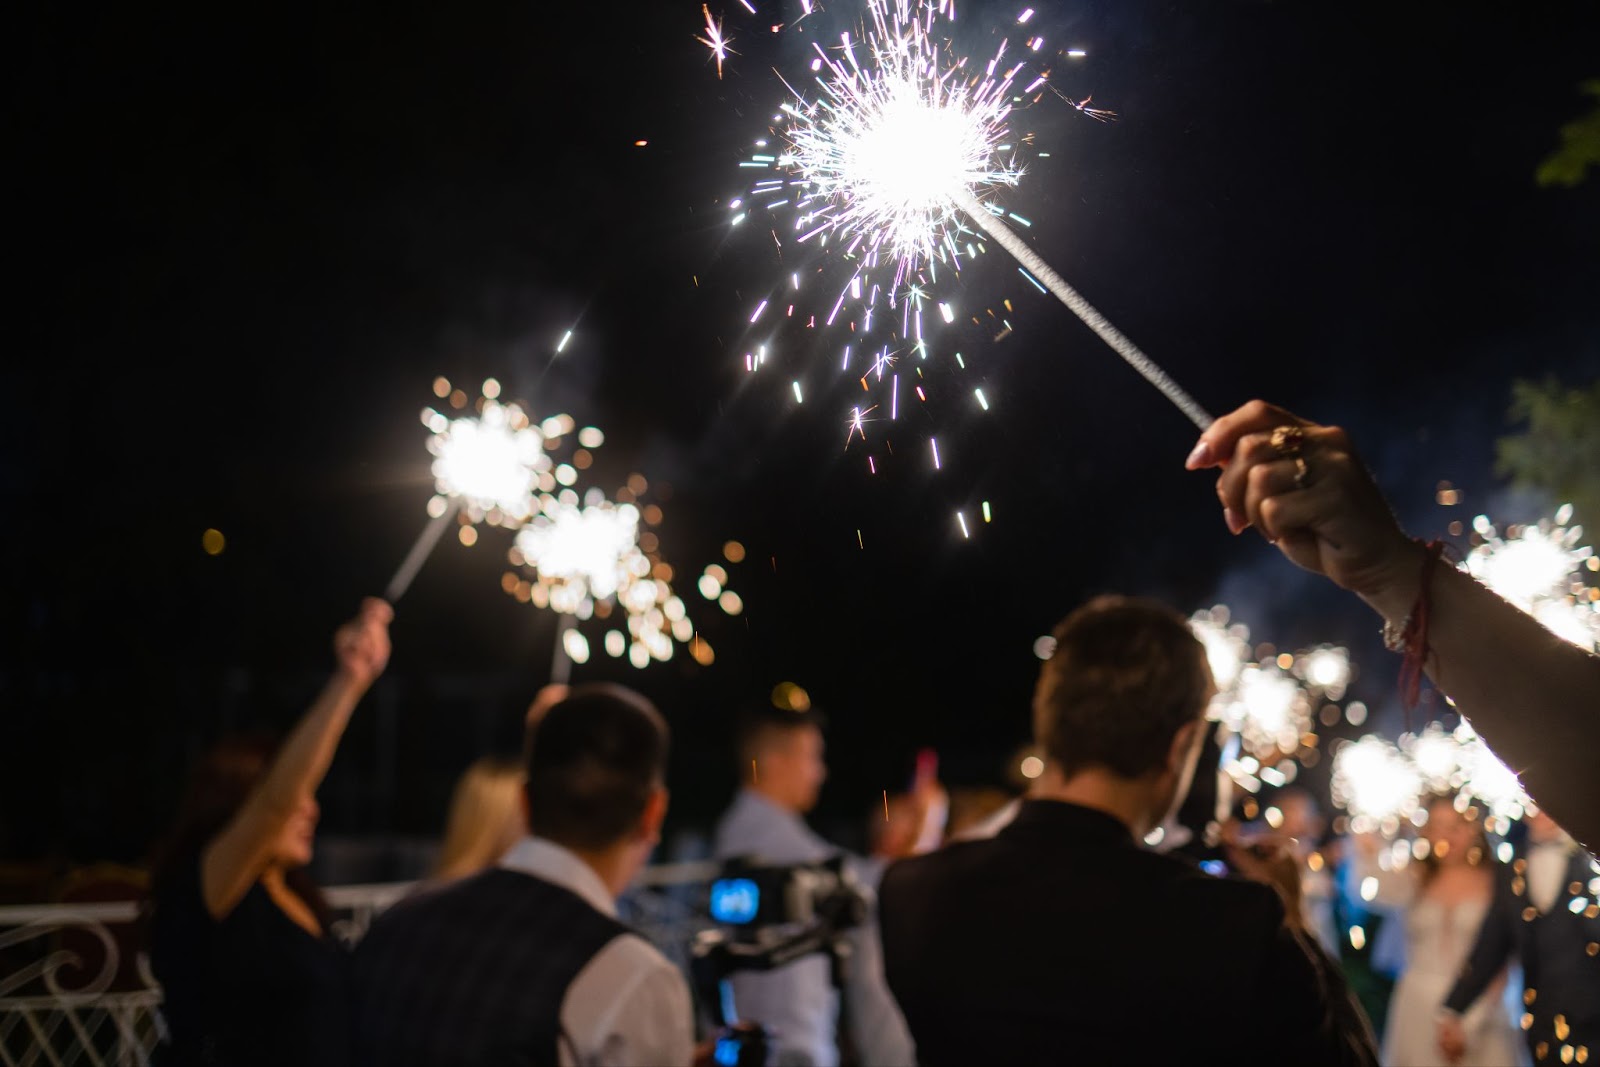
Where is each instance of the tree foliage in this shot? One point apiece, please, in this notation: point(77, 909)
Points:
point(1580, 146)
point(1559, 451)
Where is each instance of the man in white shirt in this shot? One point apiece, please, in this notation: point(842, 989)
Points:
point(527, 962)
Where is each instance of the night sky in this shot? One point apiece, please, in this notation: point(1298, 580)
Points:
point(246, 239)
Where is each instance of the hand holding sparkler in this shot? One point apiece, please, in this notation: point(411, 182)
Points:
point(1527, 691)
point(1304, 488)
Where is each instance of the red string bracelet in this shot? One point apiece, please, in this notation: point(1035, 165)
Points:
point(1414, 638)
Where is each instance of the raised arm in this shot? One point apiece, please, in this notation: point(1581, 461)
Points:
point(236, 857)
point(1532, 696)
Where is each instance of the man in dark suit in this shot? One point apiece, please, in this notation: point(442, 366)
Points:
point(1551, 921)
point(1061, 940)
point(527, 962)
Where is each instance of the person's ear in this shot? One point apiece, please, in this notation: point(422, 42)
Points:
point(655, 813)
point(1184, 743)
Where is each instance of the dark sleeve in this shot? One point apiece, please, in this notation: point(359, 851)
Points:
point(1304, 995)
point(1497, 939)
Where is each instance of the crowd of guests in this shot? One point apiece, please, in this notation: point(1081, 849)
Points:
point(1044, 931)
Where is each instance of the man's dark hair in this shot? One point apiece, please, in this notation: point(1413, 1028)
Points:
point(593, 761)
point(1126, 675)
point(758, 725)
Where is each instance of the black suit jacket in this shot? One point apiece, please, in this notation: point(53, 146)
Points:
point(1061, 940)
point(1559, 951)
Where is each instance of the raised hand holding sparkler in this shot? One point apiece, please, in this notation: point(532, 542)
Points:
point(1526, 690)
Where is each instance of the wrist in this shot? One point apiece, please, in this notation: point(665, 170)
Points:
point(1395, 585)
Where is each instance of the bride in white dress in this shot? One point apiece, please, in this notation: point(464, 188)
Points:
point(1442, 899)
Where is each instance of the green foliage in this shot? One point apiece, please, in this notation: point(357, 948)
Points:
point(1580, 147)
point(1559, 452)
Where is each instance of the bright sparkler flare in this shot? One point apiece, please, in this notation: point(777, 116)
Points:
point(583, 553)
point(1539, 568)
point(1227, 651)
point(589, 561)
point(1269, 710)
point(1459, 762)
point(1376, 784)
point(491, 463)
point(1326, 669)
point(896, 149)
point(889, 147)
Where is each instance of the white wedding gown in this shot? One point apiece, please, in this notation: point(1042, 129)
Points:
point(1438, 940)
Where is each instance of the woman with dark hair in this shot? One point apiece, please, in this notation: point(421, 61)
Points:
point(239, 936)
point(1442, 896)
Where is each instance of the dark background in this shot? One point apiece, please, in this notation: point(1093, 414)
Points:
point(246, 238)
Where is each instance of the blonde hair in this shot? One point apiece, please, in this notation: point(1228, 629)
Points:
point(485, 817)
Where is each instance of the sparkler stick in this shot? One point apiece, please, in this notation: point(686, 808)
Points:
point(560, 662)
point(419, 552)
point(1080, 307)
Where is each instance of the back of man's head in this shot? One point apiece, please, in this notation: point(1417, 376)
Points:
point(594, 760)
point(1126, 676)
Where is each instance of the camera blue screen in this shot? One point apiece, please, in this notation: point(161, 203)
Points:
point(727, 1051)
point(734, 900)
point(1216, 867)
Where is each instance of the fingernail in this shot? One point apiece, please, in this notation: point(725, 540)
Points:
point(1200, 457)
point(1234, 521)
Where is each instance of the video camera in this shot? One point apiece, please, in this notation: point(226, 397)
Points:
point(768, 917)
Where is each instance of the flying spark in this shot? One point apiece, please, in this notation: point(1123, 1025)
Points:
point(715, 40)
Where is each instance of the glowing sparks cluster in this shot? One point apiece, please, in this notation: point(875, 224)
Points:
point(1539, 568)
point(1227, 650)
point(870, 165)
point(583, 552)
point(1459, 762)
point(1326, 669)
point(1383, 785)
point(491, 462)
point(588, 554)
point(1375, 782)
point(1264, 709)
point(887, 146)
point(588, 559)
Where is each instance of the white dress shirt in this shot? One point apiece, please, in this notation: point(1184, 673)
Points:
point(797, 1002)
point(1547, 871)
point(629, 1004)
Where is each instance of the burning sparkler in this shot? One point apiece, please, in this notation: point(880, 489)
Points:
point(486, 466)
point(1375, 782)
point(592, 558)
point(1539, 568)
point(894, 154)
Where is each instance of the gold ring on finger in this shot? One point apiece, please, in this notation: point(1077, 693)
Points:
point(1287, 440)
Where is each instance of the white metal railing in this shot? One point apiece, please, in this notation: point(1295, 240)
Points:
point(76, 985)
